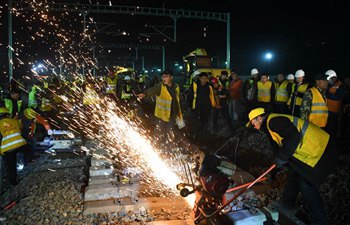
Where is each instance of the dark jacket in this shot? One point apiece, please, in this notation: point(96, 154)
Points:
point(203, 97)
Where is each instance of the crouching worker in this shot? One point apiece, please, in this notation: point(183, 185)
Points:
point(307, 151)
point(11, 143)
point(29, 131)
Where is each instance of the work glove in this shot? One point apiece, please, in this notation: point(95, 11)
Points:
point(49, 132)
point(180, 123)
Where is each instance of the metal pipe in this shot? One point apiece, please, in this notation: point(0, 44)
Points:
point(244, 185)
point(9, 47)
point(228, 41)
point(163, 57)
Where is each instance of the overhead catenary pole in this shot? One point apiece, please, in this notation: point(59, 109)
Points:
point(141, 11)
point(228, 41)
point(9, 47)
point(163, 57)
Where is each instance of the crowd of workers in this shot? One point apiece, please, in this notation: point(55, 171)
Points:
point(302, 119)
point(30, 112)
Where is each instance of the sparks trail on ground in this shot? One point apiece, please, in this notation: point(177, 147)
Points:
point(124, 136)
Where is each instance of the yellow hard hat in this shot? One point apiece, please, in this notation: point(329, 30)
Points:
point(29, 113)
point(255, 113)
point(4, 110)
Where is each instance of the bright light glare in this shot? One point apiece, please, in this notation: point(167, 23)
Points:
point(268, 56)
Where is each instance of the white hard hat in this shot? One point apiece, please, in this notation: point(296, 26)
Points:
point(290, 77)
point(299, 73)
point(254, 71)
point(127, 77)
point(330, 74)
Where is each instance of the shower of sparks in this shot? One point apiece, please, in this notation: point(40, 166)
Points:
point(62, 36)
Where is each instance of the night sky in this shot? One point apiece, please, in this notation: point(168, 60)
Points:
point(312, 36)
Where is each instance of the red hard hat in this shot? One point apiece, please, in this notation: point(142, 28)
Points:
point(213, 80)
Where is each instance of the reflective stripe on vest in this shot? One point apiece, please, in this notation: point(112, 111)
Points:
point(264, 91)
point(313, 140)
point(319, 109)
point(11, 134)
point(281, 92)
point(334, 105)
point(13, 144)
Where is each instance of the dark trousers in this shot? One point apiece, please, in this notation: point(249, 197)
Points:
point(164, 130)
point(311, 196)
point(204, 115)
point(332, 124)
point(224, 114)
point(11, 166)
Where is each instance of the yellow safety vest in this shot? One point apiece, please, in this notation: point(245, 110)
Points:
point(319, 109)
point(45, 105)
point(126, 94)
point(313, 141)
point(281, 92)
point(111, 85)
point(264, 91)
point(90, 96)
point(11, 135)
point(211, 96)
point(302, 88)
point(163, 104)
point(32, 103)
point(9, 106)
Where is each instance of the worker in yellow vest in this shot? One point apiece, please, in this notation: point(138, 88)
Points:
point(297, 95)
point(335, 93)
point(314, 104)
point(283, 90)
point(126, 89)
point(11, 143)
point(167, 108)
point(202, 100)
point(111, 84)
point(307, 151)
point(90, 96)
point(14, 104)
point(265, 93)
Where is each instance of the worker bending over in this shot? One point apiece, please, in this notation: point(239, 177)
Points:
point(308, 152)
